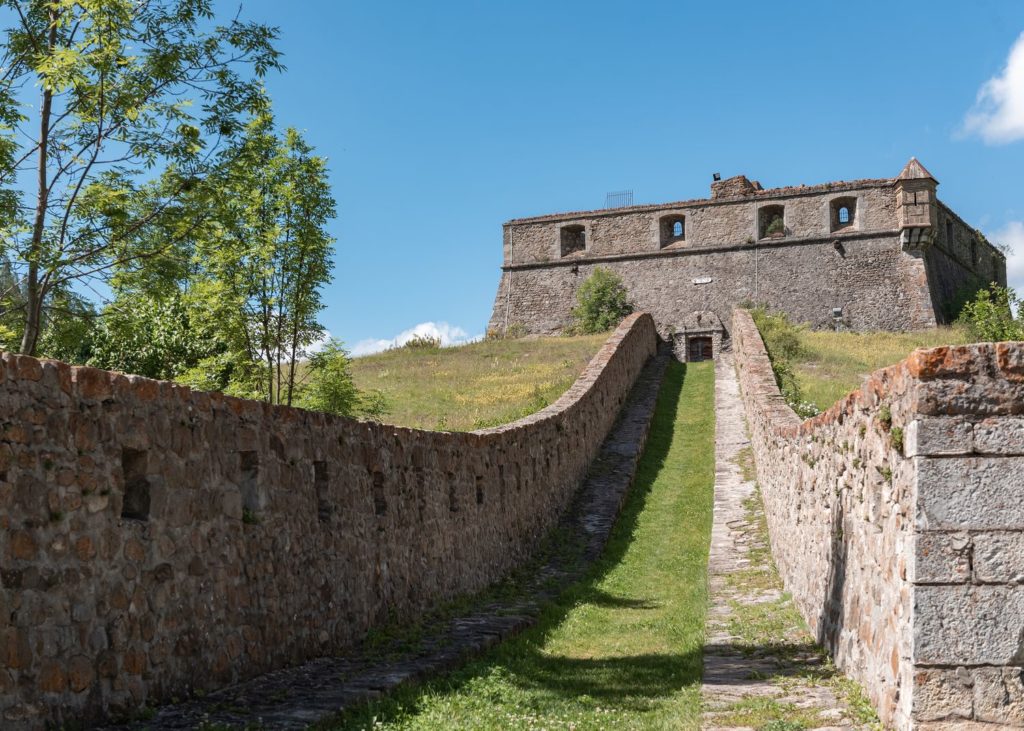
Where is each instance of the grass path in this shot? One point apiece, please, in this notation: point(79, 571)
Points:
point(622, 649)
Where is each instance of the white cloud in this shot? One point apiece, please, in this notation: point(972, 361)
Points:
point(998, 113)
point(448, 334)
point(1012, 235)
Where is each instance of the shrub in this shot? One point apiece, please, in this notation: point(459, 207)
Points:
point(602, 302)
point(775, 226)
point(782, 341)
point(332, 390)
point(990, 316)
point(424, 342)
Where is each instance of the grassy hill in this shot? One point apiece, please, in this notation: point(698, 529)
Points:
point(474, 386)
point(833, 364)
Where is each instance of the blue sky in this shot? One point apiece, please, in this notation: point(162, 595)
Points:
point(443, 120)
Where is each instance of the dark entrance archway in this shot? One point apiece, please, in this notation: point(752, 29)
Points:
point(700, 349)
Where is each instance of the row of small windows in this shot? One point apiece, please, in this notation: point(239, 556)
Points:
point(771, 224)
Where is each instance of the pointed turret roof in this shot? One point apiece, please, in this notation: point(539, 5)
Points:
point(914, 170)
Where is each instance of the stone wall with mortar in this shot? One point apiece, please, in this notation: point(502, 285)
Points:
point(156, 540)
point(896, 522)
point(815, 266)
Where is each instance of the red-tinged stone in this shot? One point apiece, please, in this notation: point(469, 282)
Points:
point(1010, 359)
point(91, 383)
point(25, 368)
point(80, 673)
point(23, 546)
point(144, 389)
point(52, 678)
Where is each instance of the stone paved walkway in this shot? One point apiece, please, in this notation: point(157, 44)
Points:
point(761, 667)
point(297, 697)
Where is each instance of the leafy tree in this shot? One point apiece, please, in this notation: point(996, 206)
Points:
point(332, 390)
point(261, 270)
point(126, 88)
point(990, 316)
point(602, 302)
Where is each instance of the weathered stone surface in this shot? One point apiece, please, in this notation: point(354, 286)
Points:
point(910, 567)
point(938, 436)
point(157, 540)
point(941, 558)
point(998, 557)
point(972, 493)
point(868, 267)
point(969, 625)
point(999, 436)
point(943, 695)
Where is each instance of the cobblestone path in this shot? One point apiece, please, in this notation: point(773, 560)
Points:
point(762, 669)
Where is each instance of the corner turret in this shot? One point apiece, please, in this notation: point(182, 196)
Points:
point(915, 205)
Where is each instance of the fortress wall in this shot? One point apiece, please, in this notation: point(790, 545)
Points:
point(904, 558)
point(877, 285)
point(155, 539)
point(959, 264)
point(713, 222)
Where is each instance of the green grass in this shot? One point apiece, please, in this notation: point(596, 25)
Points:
point(622, 648)
point(833, 364)
point(483, 384)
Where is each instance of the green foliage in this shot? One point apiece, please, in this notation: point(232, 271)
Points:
point(775, 226)
point(423, 342)
point(782, 341)
point(990, 316)
point(126, 88)
point(157, 338)
point(896, 438)
point(602, 302)
point(331, 389)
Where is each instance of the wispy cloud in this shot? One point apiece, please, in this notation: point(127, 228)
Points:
point(998, 113)
point(448, 335)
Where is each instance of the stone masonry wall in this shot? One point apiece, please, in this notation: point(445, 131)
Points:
point(815, 266)
point(896, 524)
point(155, 540)
point(877, 285)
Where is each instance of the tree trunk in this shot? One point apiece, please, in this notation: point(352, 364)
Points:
point(33, 291)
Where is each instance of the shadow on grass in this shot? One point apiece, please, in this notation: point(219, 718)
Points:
point(629, 682)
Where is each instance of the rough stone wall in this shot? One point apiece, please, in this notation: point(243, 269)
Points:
point(877, 285)
point(814, 267)
point(895, 526)
point(959, 264)
point(157, 540)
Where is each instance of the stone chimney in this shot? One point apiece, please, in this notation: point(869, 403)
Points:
point(915, 206)
point(734, 186)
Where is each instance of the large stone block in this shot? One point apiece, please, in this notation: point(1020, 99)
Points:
point(941, 558)
point(999, 557)
point(968, 625)
point(970, 493)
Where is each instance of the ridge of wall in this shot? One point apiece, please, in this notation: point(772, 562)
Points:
point(897, 523)
point(155, 540)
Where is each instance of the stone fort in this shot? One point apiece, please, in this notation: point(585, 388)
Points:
point(878, 254)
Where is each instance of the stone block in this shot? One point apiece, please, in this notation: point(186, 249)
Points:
point(938, 436)
point(1000, 435)
point(941, 558)
point(969, 625)
point(999, 557)
point(942, 695)
point(999, 695)
point(971, 493)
